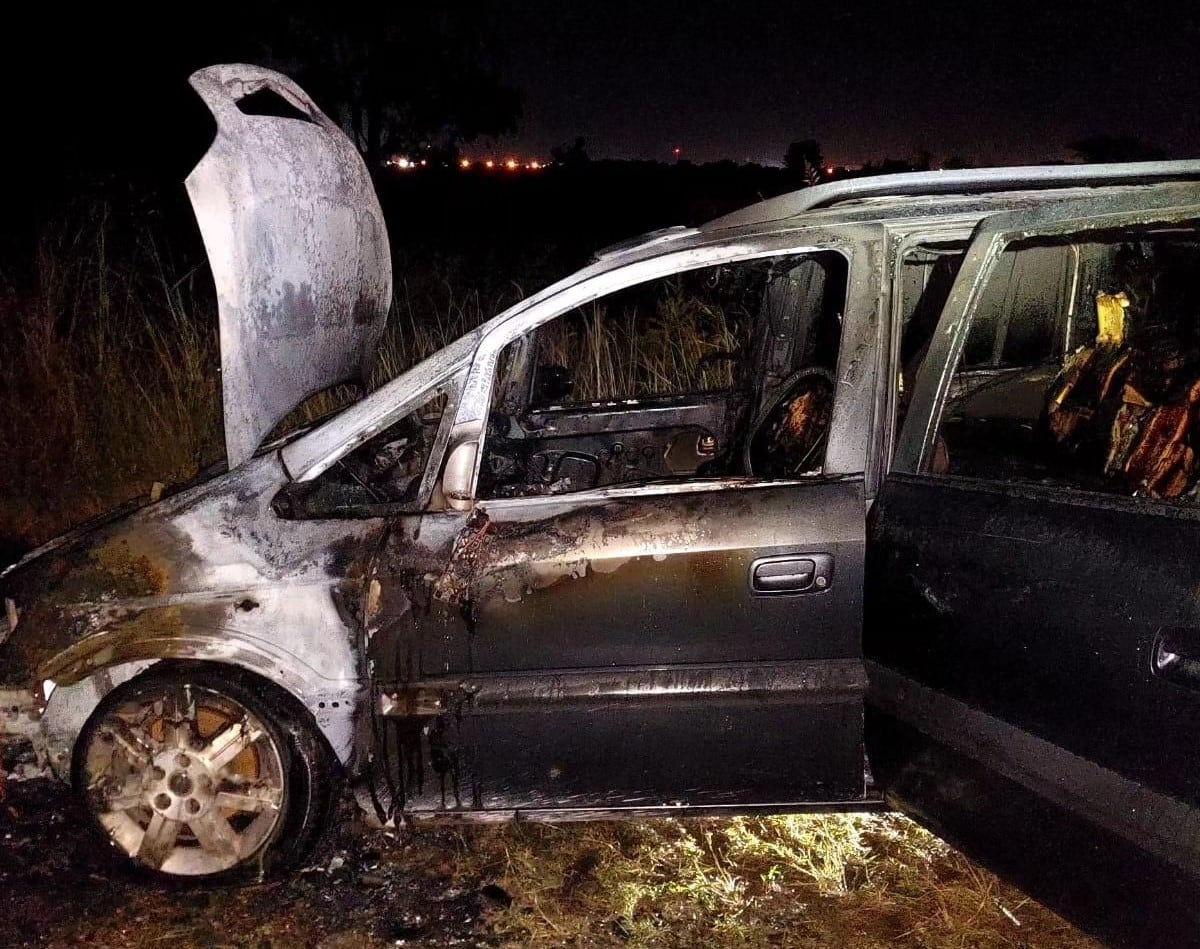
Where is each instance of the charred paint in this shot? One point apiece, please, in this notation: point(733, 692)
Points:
point(213, 574)
point(552, 583)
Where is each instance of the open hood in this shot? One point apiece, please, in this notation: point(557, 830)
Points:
point(298, 249)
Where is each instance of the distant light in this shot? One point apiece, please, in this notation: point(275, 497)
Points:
point(829, 169)
point(676, 151)
point(490, 164)
point(424, 162)
point(403, 163)
point(511, 164)
point(465, 163)
point(535, 165)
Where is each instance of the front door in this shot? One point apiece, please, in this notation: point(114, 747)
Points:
point(656, 598)
point(1033, 621)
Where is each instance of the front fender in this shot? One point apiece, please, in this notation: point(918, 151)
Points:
point(297, 633)
point(286, 637)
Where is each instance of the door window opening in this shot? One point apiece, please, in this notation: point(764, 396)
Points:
point(719, 371)
point(1081, 367)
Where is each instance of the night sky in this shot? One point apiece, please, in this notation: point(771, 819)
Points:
point(990, 82)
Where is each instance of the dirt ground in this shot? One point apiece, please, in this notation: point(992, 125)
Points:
point(812, 883)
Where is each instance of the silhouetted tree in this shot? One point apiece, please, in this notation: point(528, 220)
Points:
point(956, 162)
point(803, 159)
point(1107, 148)
point(397, 78)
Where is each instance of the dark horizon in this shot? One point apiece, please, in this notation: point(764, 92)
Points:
point(1003, 84)
point(100, 99)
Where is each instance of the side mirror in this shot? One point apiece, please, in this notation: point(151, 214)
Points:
point(458, 475)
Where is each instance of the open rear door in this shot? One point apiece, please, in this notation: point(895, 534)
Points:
point(1032, 622)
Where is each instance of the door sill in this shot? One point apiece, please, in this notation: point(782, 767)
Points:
point(565, 815)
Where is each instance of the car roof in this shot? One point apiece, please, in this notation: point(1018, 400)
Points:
point(923, 194)
point(925, 187)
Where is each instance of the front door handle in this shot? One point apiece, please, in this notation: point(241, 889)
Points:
point(791, 573)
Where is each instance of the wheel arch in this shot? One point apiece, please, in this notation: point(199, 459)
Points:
point(329, 708)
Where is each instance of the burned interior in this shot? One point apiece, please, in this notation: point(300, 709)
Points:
point(1081, 367)
point(721, 371)
point(384, 474)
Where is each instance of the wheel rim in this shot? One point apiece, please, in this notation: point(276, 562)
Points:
point(185, 780)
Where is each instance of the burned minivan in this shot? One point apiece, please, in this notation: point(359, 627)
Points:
point(881, 493)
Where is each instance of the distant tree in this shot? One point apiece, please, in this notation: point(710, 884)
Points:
point(398, 80)
point(573, 155)
point(1109, 148)
point(956, 163)
point(803, 159)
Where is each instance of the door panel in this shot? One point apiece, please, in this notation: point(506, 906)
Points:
point(1043, 612)
point(618, 656)
point(653, 579)
point(682, 635)
point(1012, 616)
point(578, 654)
point(765, 734)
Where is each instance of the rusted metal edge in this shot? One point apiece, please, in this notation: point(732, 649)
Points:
point(823, 680)
point(564, 815)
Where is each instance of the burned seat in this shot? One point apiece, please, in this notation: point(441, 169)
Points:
point(1129, 403)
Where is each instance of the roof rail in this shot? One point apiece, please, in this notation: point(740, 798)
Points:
point(965, 181)
point(661, 236)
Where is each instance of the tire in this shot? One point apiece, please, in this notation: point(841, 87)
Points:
point(205, 773)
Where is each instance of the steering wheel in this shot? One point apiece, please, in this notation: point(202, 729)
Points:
point(790, 432)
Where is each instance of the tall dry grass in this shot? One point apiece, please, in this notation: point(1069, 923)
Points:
point(107, 379)
point(109, 371)
point(674, 344)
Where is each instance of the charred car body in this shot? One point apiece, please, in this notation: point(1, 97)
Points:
point(878, 493)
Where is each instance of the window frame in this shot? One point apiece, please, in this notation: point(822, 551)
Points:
point(898, 245)
point(1164, 205)
point(476, 401)
point(298, 491)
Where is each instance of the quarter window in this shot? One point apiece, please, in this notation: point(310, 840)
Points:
point(386, 472)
